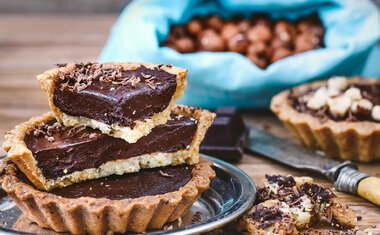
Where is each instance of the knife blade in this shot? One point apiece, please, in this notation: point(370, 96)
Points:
point(344, 175)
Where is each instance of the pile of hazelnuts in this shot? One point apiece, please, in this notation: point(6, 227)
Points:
point(260, 39)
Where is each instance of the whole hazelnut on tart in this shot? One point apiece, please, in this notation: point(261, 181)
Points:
point(284, 31)
point(258, 48)
point(215, 22)
point(195, 26)
point(244, 25)
point(209, 40)
point(280, 53)
point(228, 30)
point(185, 45)
point(306, 41)
point(259, 32)
point(238, 43)
point(258, 60)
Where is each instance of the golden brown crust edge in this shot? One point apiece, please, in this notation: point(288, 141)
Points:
point(346, 140)
point(19, 153)
point(48, 79)
point(99, 215)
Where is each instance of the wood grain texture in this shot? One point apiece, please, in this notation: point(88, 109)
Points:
point(31, 44)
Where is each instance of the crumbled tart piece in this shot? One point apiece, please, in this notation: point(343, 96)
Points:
point(124, 100)
point(305, 201)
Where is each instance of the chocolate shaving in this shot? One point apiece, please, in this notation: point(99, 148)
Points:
point(329, 215)
point(61, 65)
point(75, 130)
point(165, 174)
point(295, 191)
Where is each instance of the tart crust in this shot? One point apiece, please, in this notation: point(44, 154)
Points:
point(99, 215)
point(356, 141)
point(48, 79)
point(19, 153)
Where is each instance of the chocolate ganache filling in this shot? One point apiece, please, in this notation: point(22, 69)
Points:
point(61, 150)
point(370, 92)
point(147, 182)
point(114, 95)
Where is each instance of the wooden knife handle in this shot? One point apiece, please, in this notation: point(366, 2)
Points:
point(369, 188)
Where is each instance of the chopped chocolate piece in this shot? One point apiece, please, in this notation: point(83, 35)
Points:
point(227, 135)
point(123, 95)
point(78, 148)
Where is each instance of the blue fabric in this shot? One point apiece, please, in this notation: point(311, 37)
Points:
point(230, 79)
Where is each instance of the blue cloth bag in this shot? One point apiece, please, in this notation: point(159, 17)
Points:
point(230, 79)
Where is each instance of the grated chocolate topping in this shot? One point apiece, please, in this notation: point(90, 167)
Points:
point(317, 193)
point(284, 181)
point(86, 73)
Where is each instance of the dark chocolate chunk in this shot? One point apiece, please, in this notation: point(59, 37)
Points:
point(227, 135)
point(79, 148)
point(114, 95)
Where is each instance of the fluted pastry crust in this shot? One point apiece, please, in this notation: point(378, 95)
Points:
point(99, 215)
point(19, 153)
point(48, 79)
point(347, 140)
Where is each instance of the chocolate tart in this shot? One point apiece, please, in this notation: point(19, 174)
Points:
point(349, 137)
point(166, 194)
point(52, 155)
point(124, 100)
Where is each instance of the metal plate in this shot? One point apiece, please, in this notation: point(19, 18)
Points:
point(230, 194)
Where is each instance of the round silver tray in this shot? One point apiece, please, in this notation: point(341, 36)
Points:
point(230, 194)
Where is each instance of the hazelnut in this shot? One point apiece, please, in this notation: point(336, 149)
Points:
point(258, 48)
point(185, 45)
point(339, 106)
point(305, 41)
point(259, 32)
point(178, 31)
point(259, 61)
point(238, 43)
point(261, 19)
point(229, 30)
point(209, 40)
point(313, 26)
point(284, 31)
point(337, 83)
point(280, 53)
point(244, 25)
point(195, 26)
point(278, 42)
point(214, 22)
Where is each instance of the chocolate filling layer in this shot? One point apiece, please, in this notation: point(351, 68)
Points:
point(370, 92)
point(66, 150)
point(147, 182)
point(114, 95)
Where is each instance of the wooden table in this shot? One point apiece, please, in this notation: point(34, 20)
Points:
point(31, 44)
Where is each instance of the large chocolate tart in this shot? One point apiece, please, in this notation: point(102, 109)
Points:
point(124, 100)
point(348, 140)
point(74, 154)
point(63, 211)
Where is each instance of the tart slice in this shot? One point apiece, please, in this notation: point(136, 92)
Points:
point(52, 155)
point(340, 116)
point(130, 202)
point(124, 100)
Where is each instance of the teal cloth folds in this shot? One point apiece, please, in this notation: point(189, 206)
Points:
point(230, 79)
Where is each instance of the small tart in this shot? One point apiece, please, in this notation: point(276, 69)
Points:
point(289, 205)
point(75, 154)
point(124, 100)
point(97, 215)
point(345, 136)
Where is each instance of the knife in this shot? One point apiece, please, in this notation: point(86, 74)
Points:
point(345, 175)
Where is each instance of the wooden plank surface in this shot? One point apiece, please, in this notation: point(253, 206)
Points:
point(31, 44)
